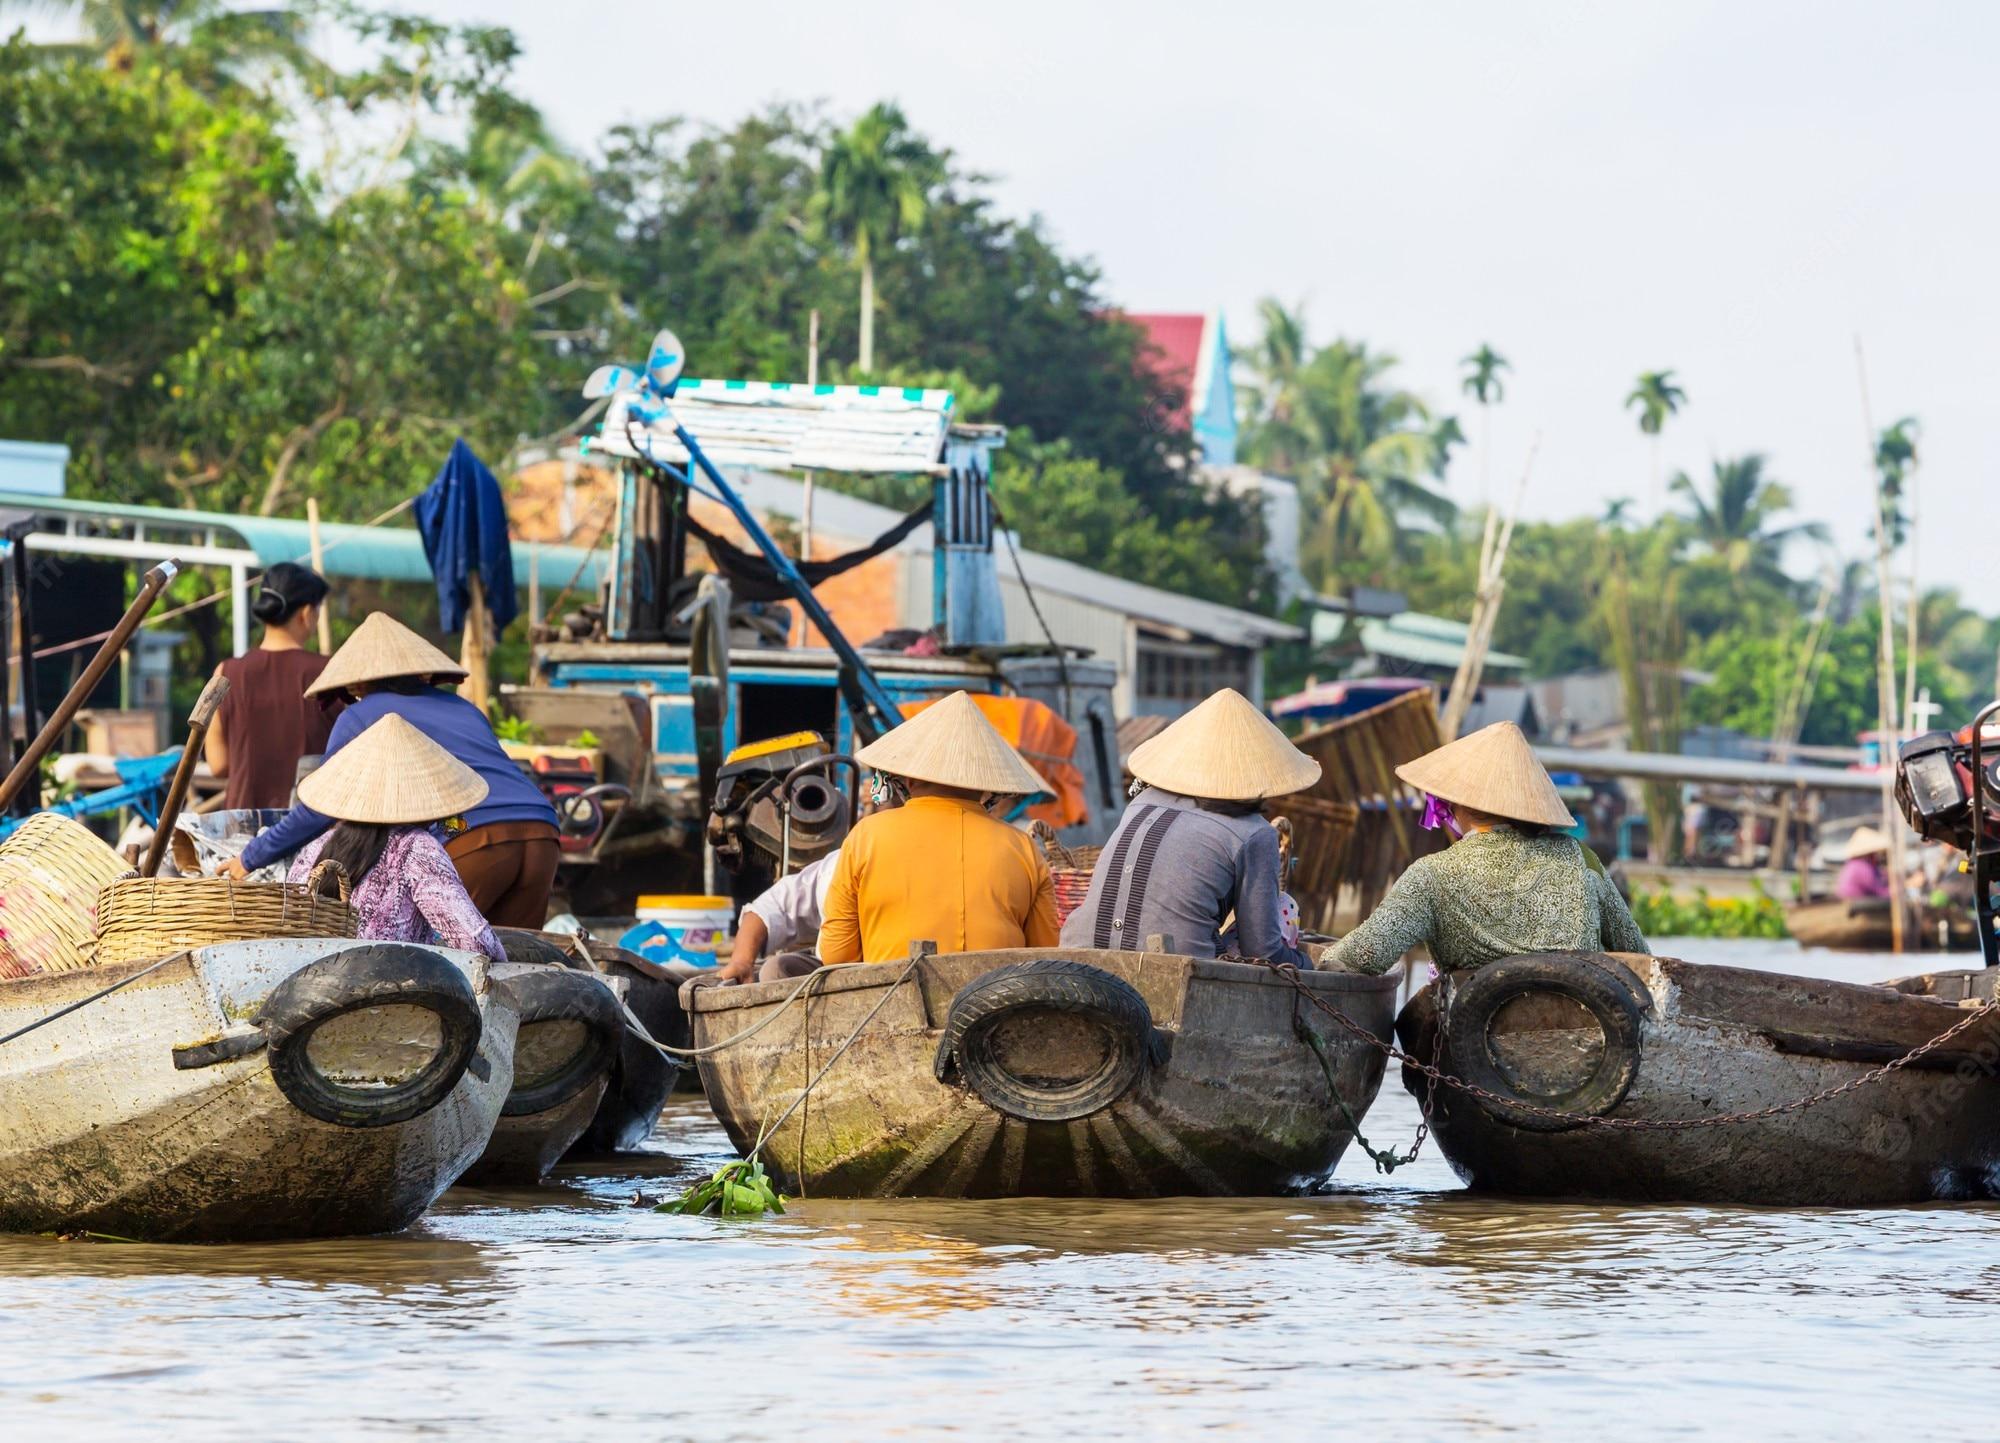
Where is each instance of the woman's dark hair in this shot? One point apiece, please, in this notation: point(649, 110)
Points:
point(404, 685)
point(357, 847)
point(286, 587)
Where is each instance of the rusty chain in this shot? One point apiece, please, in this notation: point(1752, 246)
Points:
point(1439, 1077)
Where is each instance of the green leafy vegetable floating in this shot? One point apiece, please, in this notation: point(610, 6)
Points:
point(739, 1189)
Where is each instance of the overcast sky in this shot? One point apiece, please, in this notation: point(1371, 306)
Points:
point(1731, 190)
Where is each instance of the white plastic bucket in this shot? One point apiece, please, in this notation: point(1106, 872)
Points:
point(700, 925)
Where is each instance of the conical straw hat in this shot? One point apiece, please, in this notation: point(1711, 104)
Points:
point(392, 773)
point(1226, 751)
point(1865, 842)
point(952, 744)
point(1494, 771)
point(380, 648)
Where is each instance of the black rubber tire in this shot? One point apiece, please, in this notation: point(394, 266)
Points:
point(1604, 988)
point(557, 994)
point(1047, 985)
point(379, 974)
point(522, 945)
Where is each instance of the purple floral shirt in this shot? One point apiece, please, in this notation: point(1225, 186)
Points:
point(412, 895)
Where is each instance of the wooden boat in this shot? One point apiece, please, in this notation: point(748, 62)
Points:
point(1864, 925)
point(571, 1028)
point(1628, 1037)
point(640, 1079)
point(1055, 1072)
point(283, 1088)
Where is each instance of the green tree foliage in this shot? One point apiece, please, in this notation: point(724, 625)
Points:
point(875, 184)
point(1367, 454)
point(1733, 519)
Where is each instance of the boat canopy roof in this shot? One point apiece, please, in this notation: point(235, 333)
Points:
point(881, 430)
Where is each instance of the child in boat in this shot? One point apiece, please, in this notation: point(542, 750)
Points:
point(1194, 846)
point(1513, 881)
point(387, 790)
point(939, 868)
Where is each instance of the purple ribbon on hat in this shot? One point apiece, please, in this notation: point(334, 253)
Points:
point(1438, 814)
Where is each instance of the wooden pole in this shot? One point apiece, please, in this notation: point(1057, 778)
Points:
point(477, 686)
point(319, 565)
point(1486, 603)
point(1885, 667)
point(1910, 607)
point(812, 350)
point(114, 644)
point(198, 723)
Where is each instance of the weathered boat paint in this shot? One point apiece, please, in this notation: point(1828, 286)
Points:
point(101, 1132)
point(1719, 1040)
point(641, 1079)
point(526, 1146)
point(1238, 1104)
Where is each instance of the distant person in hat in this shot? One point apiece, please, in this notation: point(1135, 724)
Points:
point(506, 847)
point(386, 791)
point(1865, 872)
point(1513, 881)
point(267, 722)
point(939, 867)
point(1194, 847)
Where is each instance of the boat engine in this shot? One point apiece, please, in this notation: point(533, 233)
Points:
point(778, 802)
point(1934, 786)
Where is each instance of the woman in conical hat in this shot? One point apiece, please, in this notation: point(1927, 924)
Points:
point(506, 846)
point(1513, 881)
point(939, 867)
point(1862, 873)
point(387, 791)
point(1194, 846)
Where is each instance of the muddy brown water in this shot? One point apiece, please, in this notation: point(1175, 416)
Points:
point(1397, 1307)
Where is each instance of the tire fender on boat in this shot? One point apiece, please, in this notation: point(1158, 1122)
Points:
point(558, 994)
point(1604, 988)
point(1041, 1072)
point(379, 974)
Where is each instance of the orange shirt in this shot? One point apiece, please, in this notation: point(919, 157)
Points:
point(940, 870)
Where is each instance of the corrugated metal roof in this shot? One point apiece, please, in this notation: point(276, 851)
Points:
point(378, 553)
point(865, 429)
point(1425, 640)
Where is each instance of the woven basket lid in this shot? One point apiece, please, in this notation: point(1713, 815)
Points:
point(1494, 771)
point(952, 744)
point(1866, 842)
point(392, 773)
point(1225, 750)
point(380, 648)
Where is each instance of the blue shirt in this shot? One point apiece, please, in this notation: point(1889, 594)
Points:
point(454, 724)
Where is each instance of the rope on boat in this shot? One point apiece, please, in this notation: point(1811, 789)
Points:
point(62, 1012)
point(671, 1053)
point(1439, 1077)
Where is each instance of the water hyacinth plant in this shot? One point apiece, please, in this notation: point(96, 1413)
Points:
point(741, 1189)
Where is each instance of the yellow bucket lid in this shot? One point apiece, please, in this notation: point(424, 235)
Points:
point(686, 902)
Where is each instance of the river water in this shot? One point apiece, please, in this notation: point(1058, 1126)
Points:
point(1393, 1307)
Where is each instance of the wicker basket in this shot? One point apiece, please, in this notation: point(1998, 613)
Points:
point(141, 917)
point(52, 869)
point(1069, 869)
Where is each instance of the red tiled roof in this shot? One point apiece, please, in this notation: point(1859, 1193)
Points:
point(1177, 341)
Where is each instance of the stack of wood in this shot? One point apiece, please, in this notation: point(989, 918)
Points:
point(1358, 757)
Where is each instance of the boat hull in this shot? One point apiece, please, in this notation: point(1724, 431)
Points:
point(1866, 926)
point(641, 1079)
point(1721, 1040)
point(1232, 1102)
point(101, 1132)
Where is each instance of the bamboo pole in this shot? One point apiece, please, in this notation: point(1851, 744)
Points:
point(319, 565)
point(476, 688)
point(1910, 607)
point(1493, 548)
point(198, 723)
point(1885, 666)
point(114, 645)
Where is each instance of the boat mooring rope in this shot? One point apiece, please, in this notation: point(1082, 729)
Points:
point(62, 1012)
point(1440, 1078)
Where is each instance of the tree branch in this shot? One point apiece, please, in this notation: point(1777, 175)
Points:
point(115, 375)
point(274, 490)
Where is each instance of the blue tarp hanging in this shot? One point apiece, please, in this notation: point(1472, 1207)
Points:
point(463, 521)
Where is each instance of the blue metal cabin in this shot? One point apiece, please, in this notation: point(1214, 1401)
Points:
point(634, 681)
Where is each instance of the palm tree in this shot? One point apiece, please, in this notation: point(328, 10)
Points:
point(1734, 519)
point(1657, 398)
point(1482, 383)
point(1895, 460)
point(875, 183)
point(1274, 409)
point(209, 42)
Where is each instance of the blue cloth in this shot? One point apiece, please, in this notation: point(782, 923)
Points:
point(454, 724)
point(463, 521)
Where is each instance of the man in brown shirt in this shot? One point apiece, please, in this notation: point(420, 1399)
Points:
point(267, 722)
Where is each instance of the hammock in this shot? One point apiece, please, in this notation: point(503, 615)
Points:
point(752, 578)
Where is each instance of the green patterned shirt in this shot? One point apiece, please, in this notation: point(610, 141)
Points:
point(1491, 895)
